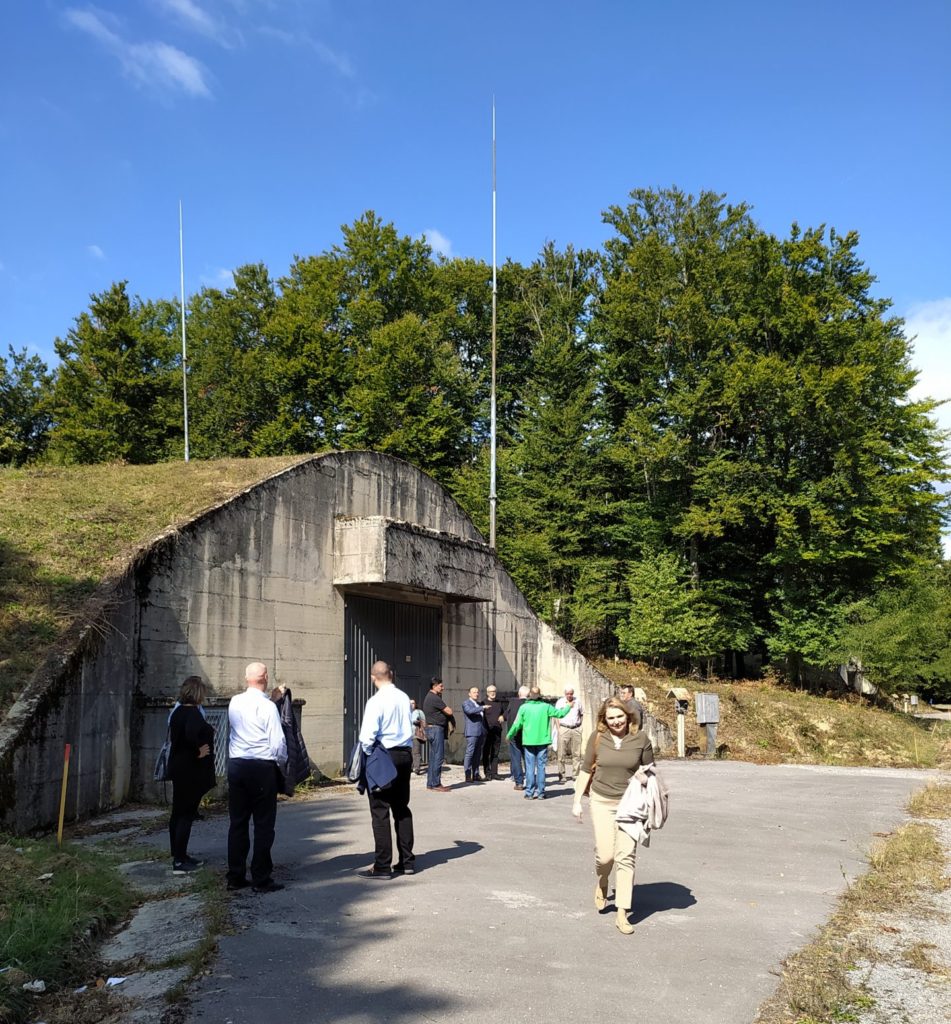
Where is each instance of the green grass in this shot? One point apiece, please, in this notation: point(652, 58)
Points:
point(63, 530)
point(47, 926)
point(769, 723)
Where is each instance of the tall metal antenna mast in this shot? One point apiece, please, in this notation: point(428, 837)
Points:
point(493, 499)
point(181, 267)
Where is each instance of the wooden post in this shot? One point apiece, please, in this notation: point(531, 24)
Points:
point(62, 798)
point(681, 737)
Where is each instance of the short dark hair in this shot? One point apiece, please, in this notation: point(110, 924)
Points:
point(194, 691)
point(436, 681)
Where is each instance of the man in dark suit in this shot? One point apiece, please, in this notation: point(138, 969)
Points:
point(474, 714)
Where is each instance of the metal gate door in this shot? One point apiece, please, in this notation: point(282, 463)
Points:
point(408, 636)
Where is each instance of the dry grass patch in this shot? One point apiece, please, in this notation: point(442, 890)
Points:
point(817, 984)
point(919, 957)
point(766, 723)
point(64, 529)
point(934, 801)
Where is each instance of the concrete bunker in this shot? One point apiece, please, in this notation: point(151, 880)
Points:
point(317, 570)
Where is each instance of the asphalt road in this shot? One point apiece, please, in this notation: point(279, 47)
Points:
point(499, 924)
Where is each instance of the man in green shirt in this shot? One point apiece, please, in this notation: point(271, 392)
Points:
point(534, 722)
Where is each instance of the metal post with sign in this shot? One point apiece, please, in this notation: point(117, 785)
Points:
point(708, 716)
point(681, 698)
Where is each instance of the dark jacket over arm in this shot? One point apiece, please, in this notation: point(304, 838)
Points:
point(298, 761)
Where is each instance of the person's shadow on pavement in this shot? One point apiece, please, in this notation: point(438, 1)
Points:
point(656, 897)
point(431, 858)
point(347, 863)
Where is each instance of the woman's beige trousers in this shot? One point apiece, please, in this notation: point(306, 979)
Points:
point(613, 848)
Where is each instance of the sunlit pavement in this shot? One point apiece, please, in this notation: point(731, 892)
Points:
point(499, 922)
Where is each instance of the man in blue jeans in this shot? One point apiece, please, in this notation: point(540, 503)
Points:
point(516, 751)
point(437, 714)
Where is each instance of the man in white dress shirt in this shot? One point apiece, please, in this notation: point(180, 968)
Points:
point(387, 720)
point(569, 735)
point(256, 749)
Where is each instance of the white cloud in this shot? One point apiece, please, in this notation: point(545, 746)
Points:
point(197, 19)
point(95, 252)
point(94, 23)
point(154, 64)
point(438, 242)
point(929, 326)
point(168, 67)
point(335, 60)
point(218, 277)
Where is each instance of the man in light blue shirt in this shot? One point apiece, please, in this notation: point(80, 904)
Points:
point(387, 730)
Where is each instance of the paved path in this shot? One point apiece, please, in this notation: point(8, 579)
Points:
point(499, 924)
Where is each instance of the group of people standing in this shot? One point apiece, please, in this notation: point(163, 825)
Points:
point(529, 736)
point(616, 752)
point(260, 726)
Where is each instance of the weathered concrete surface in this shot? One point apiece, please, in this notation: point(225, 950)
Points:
point(499, 924)
point(152, 985)
point(94, 838)
point(154, 877)
point(81, 695)
point(158, 932)
point(377, 550)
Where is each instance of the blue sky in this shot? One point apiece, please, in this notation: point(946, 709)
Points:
point(276, 121)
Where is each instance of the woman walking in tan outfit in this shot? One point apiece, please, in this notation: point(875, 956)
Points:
point(613, 754)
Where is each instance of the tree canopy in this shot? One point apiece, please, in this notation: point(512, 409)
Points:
point(707, 440)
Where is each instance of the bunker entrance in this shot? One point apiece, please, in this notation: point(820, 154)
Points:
point(408, 636)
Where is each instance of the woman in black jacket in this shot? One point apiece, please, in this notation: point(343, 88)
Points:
point(191, 767)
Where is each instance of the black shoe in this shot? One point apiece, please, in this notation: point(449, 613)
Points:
point(398, 869)
point(237, 883)
point(188, 859)
point(269, 886)
point(375, 873)
point(183, 867)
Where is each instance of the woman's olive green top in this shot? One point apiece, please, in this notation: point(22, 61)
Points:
point(616, 765)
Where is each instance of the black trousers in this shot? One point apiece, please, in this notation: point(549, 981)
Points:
point(186, 796)
point(393, 800)
point(252, 794)
point(490, 753)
